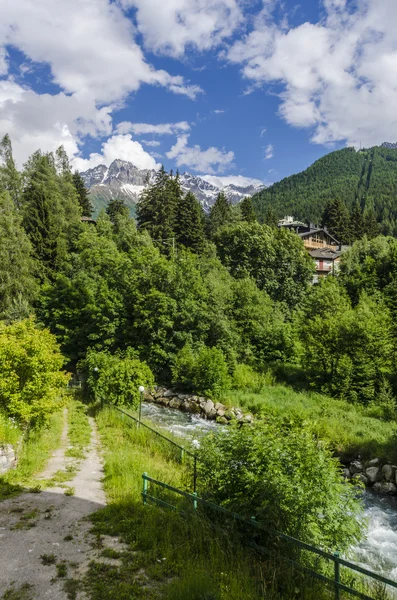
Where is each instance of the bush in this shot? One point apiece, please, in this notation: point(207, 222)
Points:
point(118, 376)
point(284, 477)
point(245, 378)
point(31, 381)
point(203, 370)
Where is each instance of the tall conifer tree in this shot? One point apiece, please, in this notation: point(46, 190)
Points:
point(17, 284)
point(189, 229)
point(371, 226)
point(357, 227)
point(337, 218)
point(10, 178)
point(43, 213)
point(220, 214)
point(82, 194)
point(247, 210)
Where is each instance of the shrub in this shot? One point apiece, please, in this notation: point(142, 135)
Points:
point(245, 378)
point(31, 381)
point(118, 376)
point(203, 370)
point(285, 478)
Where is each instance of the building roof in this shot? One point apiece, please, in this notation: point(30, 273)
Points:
point(325, 254)
point(88, 220)
point(311, 231)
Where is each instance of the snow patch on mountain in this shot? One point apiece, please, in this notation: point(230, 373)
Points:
point(123, 180)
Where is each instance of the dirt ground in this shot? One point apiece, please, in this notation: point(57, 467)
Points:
point(44, 537)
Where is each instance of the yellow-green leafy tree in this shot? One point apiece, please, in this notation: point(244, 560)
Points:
point(32, 381)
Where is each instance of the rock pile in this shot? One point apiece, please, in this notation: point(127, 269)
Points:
point(382, 478)
point(197, 405)
point(8, 458)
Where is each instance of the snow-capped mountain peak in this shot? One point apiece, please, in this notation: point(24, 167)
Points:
point(123, 180)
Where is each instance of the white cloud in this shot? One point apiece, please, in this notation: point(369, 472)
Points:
point(90, 49)
point(89, 45)
point(238, 180)
point(269, 152)
point(218, 111)
point(199, 160)
point(45, 121)
point(172, 26)
point(339, 75)
point(159, 129)
point(118, 146)
point(151, 143)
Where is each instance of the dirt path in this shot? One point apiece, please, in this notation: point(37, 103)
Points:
point(51, 525)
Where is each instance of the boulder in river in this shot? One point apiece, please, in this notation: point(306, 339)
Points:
point(356, 467)
point(389, 472)
point(373, 474)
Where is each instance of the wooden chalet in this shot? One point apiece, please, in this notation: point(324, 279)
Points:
point(323, 247)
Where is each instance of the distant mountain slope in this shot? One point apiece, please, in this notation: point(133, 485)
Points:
point(368, 176)
point(123, 180)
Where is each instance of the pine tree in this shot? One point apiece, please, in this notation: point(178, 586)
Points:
point(83, 195)
point(336, 218)
point(67, 190)
point(247, 210)
point(10, 178)
point(270, 217)
point(17, 284)
point(357, 227)
point(157, 208)
point(43, 213)
point(116, 208)
point(220, 214)
point(189, 229)
point(371, 226)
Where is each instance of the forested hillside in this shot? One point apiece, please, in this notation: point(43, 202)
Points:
point(365, 178)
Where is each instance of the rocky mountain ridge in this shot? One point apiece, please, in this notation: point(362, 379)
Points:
point(123, 180)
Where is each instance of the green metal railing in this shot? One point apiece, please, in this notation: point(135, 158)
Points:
point(139, 423)
point(337, 561)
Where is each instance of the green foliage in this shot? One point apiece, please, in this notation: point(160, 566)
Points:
point(247, 210)
point(220, 215)
point(83, 195)
point(248, 380)
point(116, 378)
point(274, 258)
point(337, 218)
point(38, 445)
point(366, 177)
point(117, 208)
point(201, 369)
point(283, 477)
point(10, 432)
point(189, 223)
point(30, 362)
point(347, 351)
point(364, 430)
point(18, 287)
point(51, 213)
point(10, 178)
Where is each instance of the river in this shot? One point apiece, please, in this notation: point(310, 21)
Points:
point(377, 552)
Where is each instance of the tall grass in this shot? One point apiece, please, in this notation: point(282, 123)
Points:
point(35, 451)
point(10, 433)
point(169, 555)
point(350, 428)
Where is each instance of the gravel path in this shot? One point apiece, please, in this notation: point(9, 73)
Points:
point(50, 523)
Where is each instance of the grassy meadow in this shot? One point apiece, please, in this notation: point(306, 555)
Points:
point(350, 428)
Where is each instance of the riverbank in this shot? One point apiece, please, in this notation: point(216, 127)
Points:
point(365, 444)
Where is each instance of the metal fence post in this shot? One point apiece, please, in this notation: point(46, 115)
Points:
point(145, 484)
point(195, 501)
point(182, 455)
point(337, 576)
point(195, 474)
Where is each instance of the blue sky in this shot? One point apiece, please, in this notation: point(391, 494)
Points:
point(254, 89)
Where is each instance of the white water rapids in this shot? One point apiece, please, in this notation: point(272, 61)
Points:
point(378, 552)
